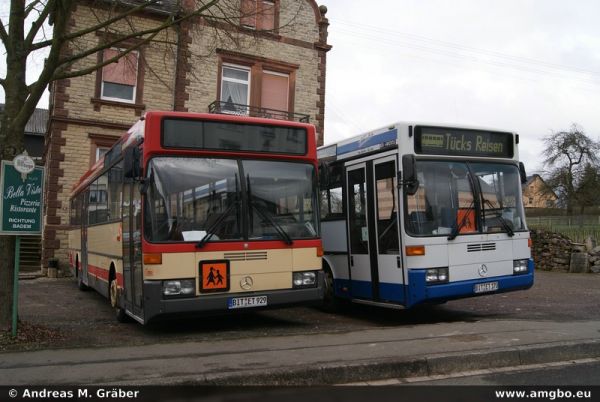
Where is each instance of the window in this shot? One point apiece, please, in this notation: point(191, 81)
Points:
point(464, 197)
point(115, 182)
point(100, 144)
point(274, 94)
point(119, 79)
point(76, 204)
point(332, 204)
point(386, 184)
point(235, 88)
point(188, 198)
point(259, 14)
point(100, 152)
point(255, 86)
point(98, 201)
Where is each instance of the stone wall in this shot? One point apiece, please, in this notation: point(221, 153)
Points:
point(555, 252)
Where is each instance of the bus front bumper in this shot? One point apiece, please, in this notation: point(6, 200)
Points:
point(420, 292)
point(156, 305)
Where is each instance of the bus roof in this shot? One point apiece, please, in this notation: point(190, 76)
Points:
point(383, 137)
point(136, 133)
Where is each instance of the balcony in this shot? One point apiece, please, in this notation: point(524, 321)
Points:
point(253, 111)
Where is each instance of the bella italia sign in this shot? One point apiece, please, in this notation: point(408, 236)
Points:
point(21, 197)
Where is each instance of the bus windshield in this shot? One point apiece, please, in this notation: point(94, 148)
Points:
point(465, 198)
point(209, 200)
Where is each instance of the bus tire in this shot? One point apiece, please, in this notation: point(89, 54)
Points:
point(331, 303)
point(80, 285)
point(113, 295)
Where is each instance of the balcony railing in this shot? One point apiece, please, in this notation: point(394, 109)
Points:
point(253, 111)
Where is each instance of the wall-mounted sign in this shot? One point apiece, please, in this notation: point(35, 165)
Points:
point(461, 142)
point(21, 197)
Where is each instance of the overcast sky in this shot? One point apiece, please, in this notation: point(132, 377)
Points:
point(527, 66)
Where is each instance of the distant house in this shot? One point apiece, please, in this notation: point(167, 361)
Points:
point(35, 130)
point(537, 194)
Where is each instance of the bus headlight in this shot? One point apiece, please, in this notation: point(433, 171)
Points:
point(520, 266)
point(305, 279)
point(180, 287)
point(436, 275)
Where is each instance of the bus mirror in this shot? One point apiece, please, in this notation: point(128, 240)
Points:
point(409, 174)
point(522, 173)
point(131, 163)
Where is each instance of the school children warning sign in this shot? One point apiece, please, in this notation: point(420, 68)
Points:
point(214, 276)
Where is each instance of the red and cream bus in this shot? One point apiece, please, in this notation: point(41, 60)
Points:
point(200, 213)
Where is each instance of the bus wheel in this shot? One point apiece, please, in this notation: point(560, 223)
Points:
point(114, 301)
point(331, 303)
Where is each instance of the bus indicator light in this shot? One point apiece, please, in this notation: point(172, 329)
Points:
point(152, 258)
point(320, 251)
point(413, 251)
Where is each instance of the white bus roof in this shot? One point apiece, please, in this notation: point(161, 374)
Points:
point(383, 137)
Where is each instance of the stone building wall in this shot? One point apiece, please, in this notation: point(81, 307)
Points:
point(179, 71)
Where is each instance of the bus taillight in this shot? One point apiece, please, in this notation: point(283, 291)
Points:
point(152, 258)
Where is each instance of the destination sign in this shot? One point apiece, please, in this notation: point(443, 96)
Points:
point(461, 142)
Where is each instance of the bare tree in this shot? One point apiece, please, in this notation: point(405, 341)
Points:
point(566, 155)
point(587, 189)
point(44, 26)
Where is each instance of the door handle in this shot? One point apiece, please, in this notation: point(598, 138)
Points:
point(351, 261)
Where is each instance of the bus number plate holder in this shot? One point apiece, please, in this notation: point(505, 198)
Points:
point(246, 302)
point(485, 287)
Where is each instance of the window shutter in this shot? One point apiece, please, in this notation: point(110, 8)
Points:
point(266, 20)
point(248, 11)
point(124, 71)
point(274, 94)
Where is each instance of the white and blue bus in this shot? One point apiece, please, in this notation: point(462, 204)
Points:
point(417, 213)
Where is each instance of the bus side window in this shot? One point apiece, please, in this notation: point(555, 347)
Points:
point(115, 185)
point(332, 204)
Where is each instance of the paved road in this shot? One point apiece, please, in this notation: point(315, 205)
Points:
point(85, 319)
point(557, 320)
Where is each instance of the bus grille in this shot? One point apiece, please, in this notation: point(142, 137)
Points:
point(472, 248)
point(246, 256)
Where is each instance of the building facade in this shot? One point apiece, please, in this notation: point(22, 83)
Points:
point(537, 194)
point(270, 64)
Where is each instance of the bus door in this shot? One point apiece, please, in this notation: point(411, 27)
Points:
point(132, 248)
point(362, 282)
point(83, 263)
point(389, 261)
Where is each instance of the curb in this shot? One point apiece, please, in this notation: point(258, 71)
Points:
point(342, 372)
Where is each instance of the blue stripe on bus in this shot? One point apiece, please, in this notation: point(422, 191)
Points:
point(373, 140)
point(393, 292)
point(417, 292)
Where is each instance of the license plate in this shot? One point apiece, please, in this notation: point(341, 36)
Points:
point(247, 302)
point(485, 287)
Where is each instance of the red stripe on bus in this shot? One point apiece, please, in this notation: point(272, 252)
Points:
point(102, 274)
point(228, 246)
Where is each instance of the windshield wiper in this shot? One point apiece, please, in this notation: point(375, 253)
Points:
point(498, 215)
point(266, 216)
point(460, 225)
point(211, 229)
